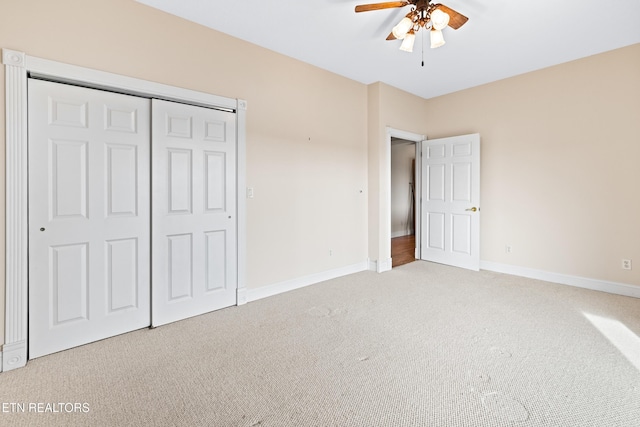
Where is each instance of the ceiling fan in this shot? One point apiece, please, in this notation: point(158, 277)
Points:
point(432, 16)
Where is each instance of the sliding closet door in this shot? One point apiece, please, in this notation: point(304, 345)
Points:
point(194, 211)
point(89, 219)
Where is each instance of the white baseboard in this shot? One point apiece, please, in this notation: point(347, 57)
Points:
point(564, 279)
point(385, 265)
point(301, 282)
point(241, 296)
point(14, 355)
point(380, 266)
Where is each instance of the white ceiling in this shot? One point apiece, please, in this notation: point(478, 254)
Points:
point(502, 38)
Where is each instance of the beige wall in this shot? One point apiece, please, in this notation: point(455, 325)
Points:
point(560, 178)
point(306, 128)
point(375, 135)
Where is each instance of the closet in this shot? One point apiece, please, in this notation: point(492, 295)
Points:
point(132, 213)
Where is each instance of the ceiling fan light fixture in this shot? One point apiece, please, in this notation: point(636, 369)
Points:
point(439, 19)
point(437, 38)
point(403, 27)
point(424, 14)
point(407, 43)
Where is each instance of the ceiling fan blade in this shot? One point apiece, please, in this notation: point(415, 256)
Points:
point(456, 19)
point(378, 6)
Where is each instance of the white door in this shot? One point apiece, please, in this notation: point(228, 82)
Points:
point(89, 220)
point(450, 229)
point(194, 211)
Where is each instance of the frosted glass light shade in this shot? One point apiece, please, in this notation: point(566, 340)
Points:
point(437, 39)
point(439, 19)
point(403, 27)
point(407, 43)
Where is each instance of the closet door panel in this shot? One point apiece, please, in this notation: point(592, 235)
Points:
point(89, 215)
point(194, 211)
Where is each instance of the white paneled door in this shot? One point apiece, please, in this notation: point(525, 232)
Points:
point(450, 229)
point(89, 219)
point(101, 261)
point(194, 211)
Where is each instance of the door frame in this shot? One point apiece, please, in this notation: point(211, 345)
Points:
point(18, 67)
point(416, 138)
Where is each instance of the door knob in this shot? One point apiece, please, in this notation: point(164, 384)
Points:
point(473, 209)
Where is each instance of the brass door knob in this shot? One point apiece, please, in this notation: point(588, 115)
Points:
point(473, 209)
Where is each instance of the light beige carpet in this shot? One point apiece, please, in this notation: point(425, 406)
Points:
point(422, 345)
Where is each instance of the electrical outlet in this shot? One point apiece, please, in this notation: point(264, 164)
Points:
point(626, 264)
point(507, 249)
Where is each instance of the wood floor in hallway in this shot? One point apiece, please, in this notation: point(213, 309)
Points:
point(403, 250)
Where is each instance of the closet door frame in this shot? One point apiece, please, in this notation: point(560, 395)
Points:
point(18, 67)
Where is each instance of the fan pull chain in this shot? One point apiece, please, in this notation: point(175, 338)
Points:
point(422, 47)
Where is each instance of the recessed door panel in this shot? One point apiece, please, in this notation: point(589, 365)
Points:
point(180, 180)
point(461, 234)
point(436, 182)
point(118, 119)
point(216, 260)
point(436, 225)
point(436, 151)
point(461, 182)
point(122, 174)
point(69, 281)
point(69, 175)
point(122, 274)
point(67, 112)
point(179, 126)
point(461, 150)
point(180, 264)
point(89, 218)
point(215, 181)
point(215, 130)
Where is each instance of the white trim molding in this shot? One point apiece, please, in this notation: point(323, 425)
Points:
point(241, 183)
point(385, 177)
point(402, 134)
point(18, 67)
point(301, 282)
point(384, 265)
point(241, 296)
point(563, 279)
point(16, 272)
point(380, 266)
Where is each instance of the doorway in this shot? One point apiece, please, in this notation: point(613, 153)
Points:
point(403, 201)
point(409, 223)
